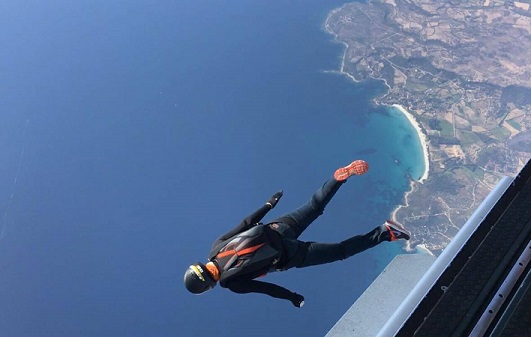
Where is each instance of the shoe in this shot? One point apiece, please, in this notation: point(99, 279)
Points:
point(357, 167)
point(391, 231)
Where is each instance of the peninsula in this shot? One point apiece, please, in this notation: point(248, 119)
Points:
point(462, 70)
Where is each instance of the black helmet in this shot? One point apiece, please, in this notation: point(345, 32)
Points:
point(197, 279)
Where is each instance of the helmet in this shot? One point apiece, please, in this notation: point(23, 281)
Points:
point(197, 279)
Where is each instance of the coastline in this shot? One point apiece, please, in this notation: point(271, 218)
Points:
point(407, 246)
point(424, 143)
point(406, 202)
point(341, 70)
point(422, 136)
point(423, 139)
point(329, 31)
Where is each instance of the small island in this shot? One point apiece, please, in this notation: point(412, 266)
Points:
point(460, 71)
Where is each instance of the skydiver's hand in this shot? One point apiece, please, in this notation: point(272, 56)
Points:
point(274, 199)
point(297, 300)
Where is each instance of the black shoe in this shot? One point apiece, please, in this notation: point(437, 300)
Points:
point(391, 231)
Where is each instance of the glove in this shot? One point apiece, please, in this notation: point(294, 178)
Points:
point(297, 300)
point(274, 199)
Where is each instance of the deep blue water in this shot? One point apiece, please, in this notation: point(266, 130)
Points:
point(133, 134)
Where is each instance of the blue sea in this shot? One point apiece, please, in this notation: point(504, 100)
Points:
point(133, 134)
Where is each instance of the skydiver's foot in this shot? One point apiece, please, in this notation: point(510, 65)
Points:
point(392, 231)
point(357, 167)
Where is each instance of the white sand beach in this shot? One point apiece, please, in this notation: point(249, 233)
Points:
point(423, 139)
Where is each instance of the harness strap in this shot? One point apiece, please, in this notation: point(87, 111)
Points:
point(236, 252)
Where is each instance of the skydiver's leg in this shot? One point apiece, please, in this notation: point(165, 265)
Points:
point(292, 224)
point(316, 253)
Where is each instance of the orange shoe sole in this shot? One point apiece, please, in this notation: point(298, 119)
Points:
point(357, 167)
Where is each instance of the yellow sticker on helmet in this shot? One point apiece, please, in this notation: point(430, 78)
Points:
point(197, 272)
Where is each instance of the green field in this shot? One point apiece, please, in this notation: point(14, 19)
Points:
point(473, 172)
point(514, 124)
point(447, 128)
point(500, 133)
point(468, 138)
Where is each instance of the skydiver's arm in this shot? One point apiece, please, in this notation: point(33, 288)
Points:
point(253, 218)
point(246, 223)
point(273, 290)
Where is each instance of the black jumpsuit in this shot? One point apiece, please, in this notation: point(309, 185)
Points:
point(253, 249)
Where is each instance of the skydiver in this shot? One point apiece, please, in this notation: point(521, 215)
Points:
point(252, 249)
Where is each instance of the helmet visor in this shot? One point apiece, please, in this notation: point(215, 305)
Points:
point(200, 280)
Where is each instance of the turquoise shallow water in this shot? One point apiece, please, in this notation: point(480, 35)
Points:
point(155, 128)
point(409, 146)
